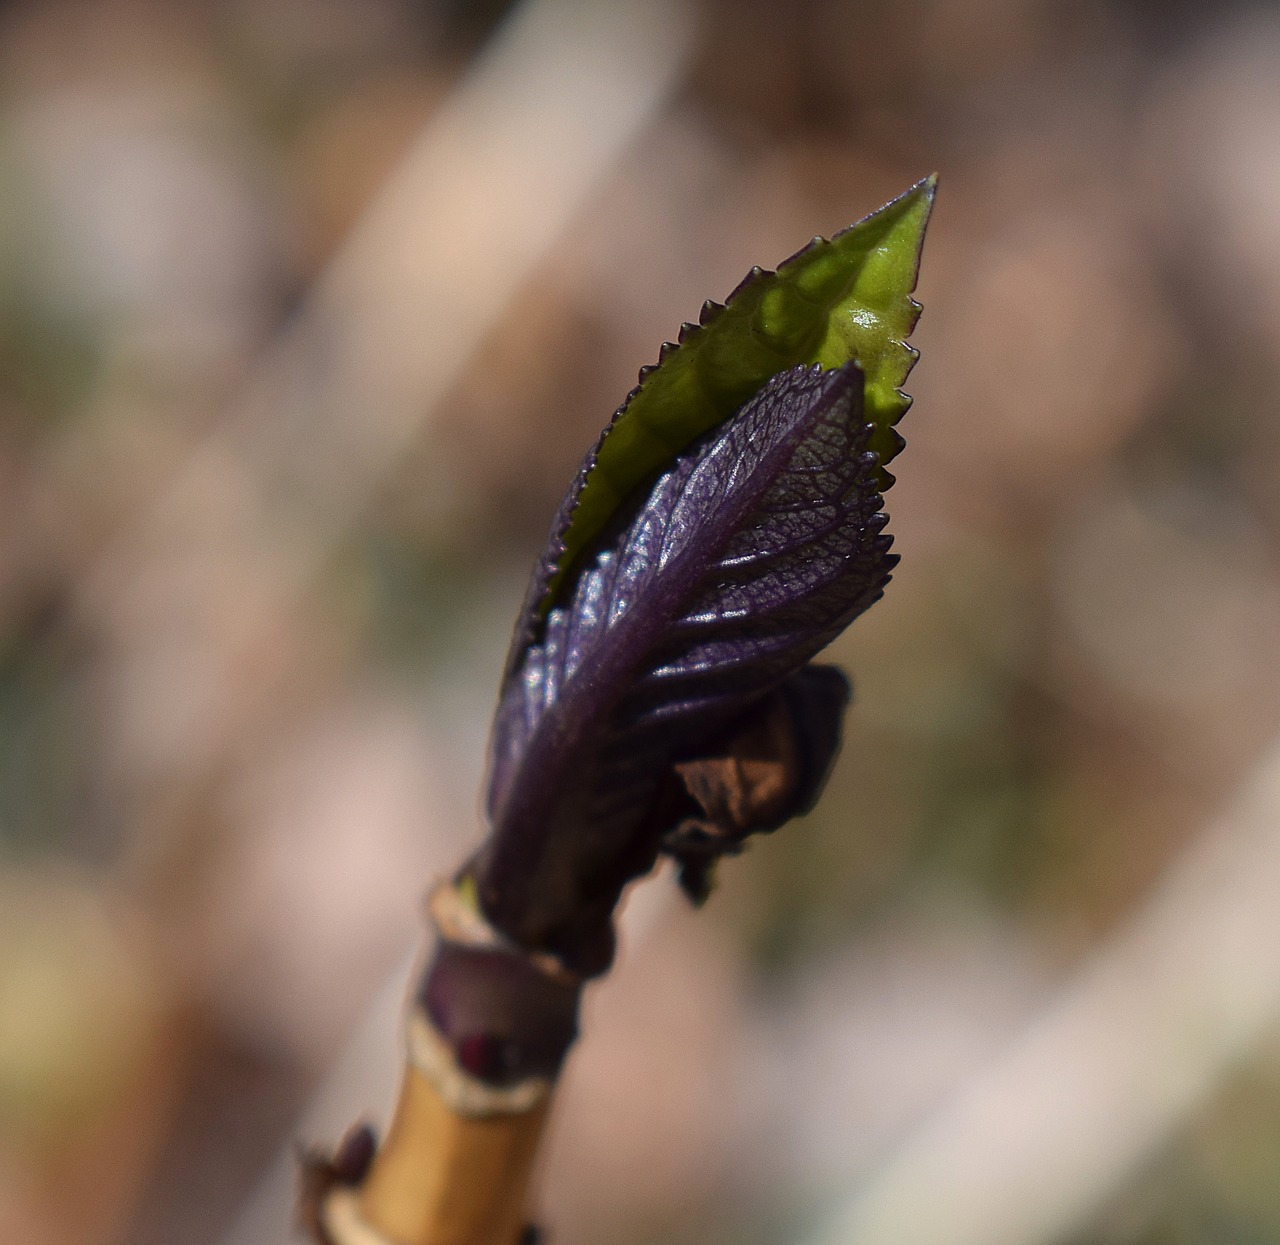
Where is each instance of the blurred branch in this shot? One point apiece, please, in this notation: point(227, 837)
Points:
point(1034, 1143)
point(487, 188)
point(198, 600)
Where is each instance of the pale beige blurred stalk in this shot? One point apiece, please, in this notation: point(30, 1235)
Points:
point(1034, 1143)
point(198, 602)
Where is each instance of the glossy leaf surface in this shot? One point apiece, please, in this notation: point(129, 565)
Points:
point(749, 554)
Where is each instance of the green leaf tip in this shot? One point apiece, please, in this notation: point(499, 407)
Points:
point(847, 298)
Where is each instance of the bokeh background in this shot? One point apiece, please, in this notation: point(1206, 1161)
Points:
point(308, 310)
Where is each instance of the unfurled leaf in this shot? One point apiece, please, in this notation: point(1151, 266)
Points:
point(847, 299)
point(709, 591)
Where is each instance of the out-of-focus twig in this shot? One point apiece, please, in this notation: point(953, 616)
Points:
point(197, 600)
point(1034, 1143)
point(494, 179)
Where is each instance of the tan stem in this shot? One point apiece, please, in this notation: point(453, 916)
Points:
point(440, 1177)
point(457, 1160)
point(456, 1163)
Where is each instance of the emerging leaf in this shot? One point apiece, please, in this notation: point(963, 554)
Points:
point(847, 299)
point(748, 554)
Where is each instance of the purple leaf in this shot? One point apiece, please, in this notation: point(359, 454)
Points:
point(712, 587)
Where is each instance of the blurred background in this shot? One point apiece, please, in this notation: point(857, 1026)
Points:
point(308, 310)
